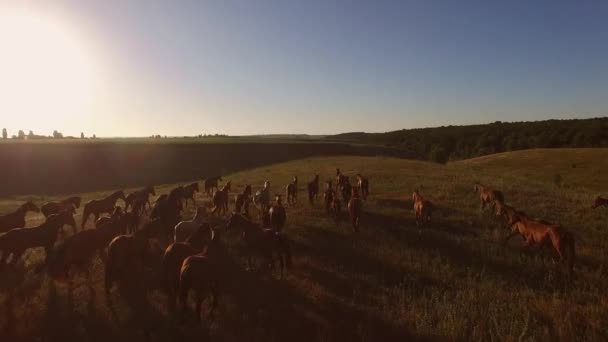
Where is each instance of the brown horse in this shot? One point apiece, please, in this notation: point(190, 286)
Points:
point(505, 211)
point(423, 208)
point(540, 234)
point(101, 206)
point(277, 214)
point(340, 178)
point(363, 184)
point(220, 200)
point(51, 208)
point(189, 191)
point(18, 240)
point(242, 201)
point(292, 191)
point(16, 219)
point(211, 184)
point(139, 197)
point(333, 206)
point(313, 190)
point(355, 208)
point(347, 190)
point(600, 202)
point(487, 195)
point(261, 242)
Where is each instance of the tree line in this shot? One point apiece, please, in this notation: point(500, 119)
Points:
point(441, 144)
point(31, 136)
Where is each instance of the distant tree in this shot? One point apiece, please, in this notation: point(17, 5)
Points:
point(57, 134)
point(30, 135)
point(4, 134)
point(94, 136)
point(81, 135)
point(438, 154)
point(21, 134)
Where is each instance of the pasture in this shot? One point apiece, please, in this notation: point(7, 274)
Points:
point(393, 281)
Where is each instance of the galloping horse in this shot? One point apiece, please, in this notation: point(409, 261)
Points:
point(487, 195)
point(220, 200)
point(16, 219)
point(211, 184)
point(541, 233)
point(292, 191)
point(101, 206)
point(313, 189)
point(184, 229)
point(363, 184)
point(18, 240)
point(422, 208)
point(262, 197)
point(189, 191)
point(355, 208)
point(242, 200)
point(600, 202)
point(278, 216)
point(139, 197)
point(261, 242)
point(51, 208)
point(347, 190)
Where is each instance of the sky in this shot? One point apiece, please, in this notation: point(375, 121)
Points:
point(137, 68)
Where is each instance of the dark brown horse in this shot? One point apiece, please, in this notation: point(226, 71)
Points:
point(220, 200)
point(16, 219)
point(355, 209)
point(277, 214)
point(189, 191)
point(423, 208)
point(261, 242)
point(51, 208)
point(292, 191)
point(313, 190)
point(340, 178)
point(363, 184)
point(167, 212)
point(600, 202)
point(487, 195)
point(211, 184)
point(333, 206)
point(139, 198)
point(347, 190)
point(18, 240)
point(101, 206)
point(242, 201)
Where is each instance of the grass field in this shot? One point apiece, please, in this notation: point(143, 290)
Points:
point(452, 280)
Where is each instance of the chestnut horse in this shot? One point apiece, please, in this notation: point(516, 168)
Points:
point(51, 208)
point(220, 200)
point(355, 208)
point(242, 200)
point(262, 242)
point(313, 189)
point(363, 184)
point(189, 191)
point(505, 211)
point(292, 191)
point(101, 206)
point(16, 219)
point(277, 214)
point(18, 240)
point(211, 184)
point(487, 195)
point(600, 202)
point(139, 197)
point(540, 234)
point(340, 178)
point(422, 208)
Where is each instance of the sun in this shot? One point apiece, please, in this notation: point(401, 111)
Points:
point(47, 75)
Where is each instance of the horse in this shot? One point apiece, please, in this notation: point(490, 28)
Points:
point(423, 208)
point(16, 219)
point(363, 184)
point(242, 200)
point(18, 240)
point(277, 215)
point(189, 191)
point(211, 184)
point(167, 210)
point(355, 208)
point(292, 191)
point(340, 178)
point(487, 195)
point(220, 199)
point(101, 206)
point(333, 206)
point(600, 202)
point(186, 228)
point(505, 211)
point(262, 198)
point(262, 242)
point(177, 252)
point(541, 233)
point(313, 189)
point(347, 190)
point(139, 197)
point(51, 208)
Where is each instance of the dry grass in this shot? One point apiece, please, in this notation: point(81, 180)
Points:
point(452, 280)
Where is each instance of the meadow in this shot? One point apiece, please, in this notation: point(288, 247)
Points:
point(451, 280)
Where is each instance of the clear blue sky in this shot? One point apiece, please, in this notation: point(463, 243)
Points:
point(318, 67)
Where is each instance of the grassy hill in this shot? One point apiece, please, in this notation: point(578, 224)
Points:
point(393, 281)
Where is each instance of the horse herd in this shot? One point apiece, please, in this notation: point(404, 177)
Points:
point(194, 256)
